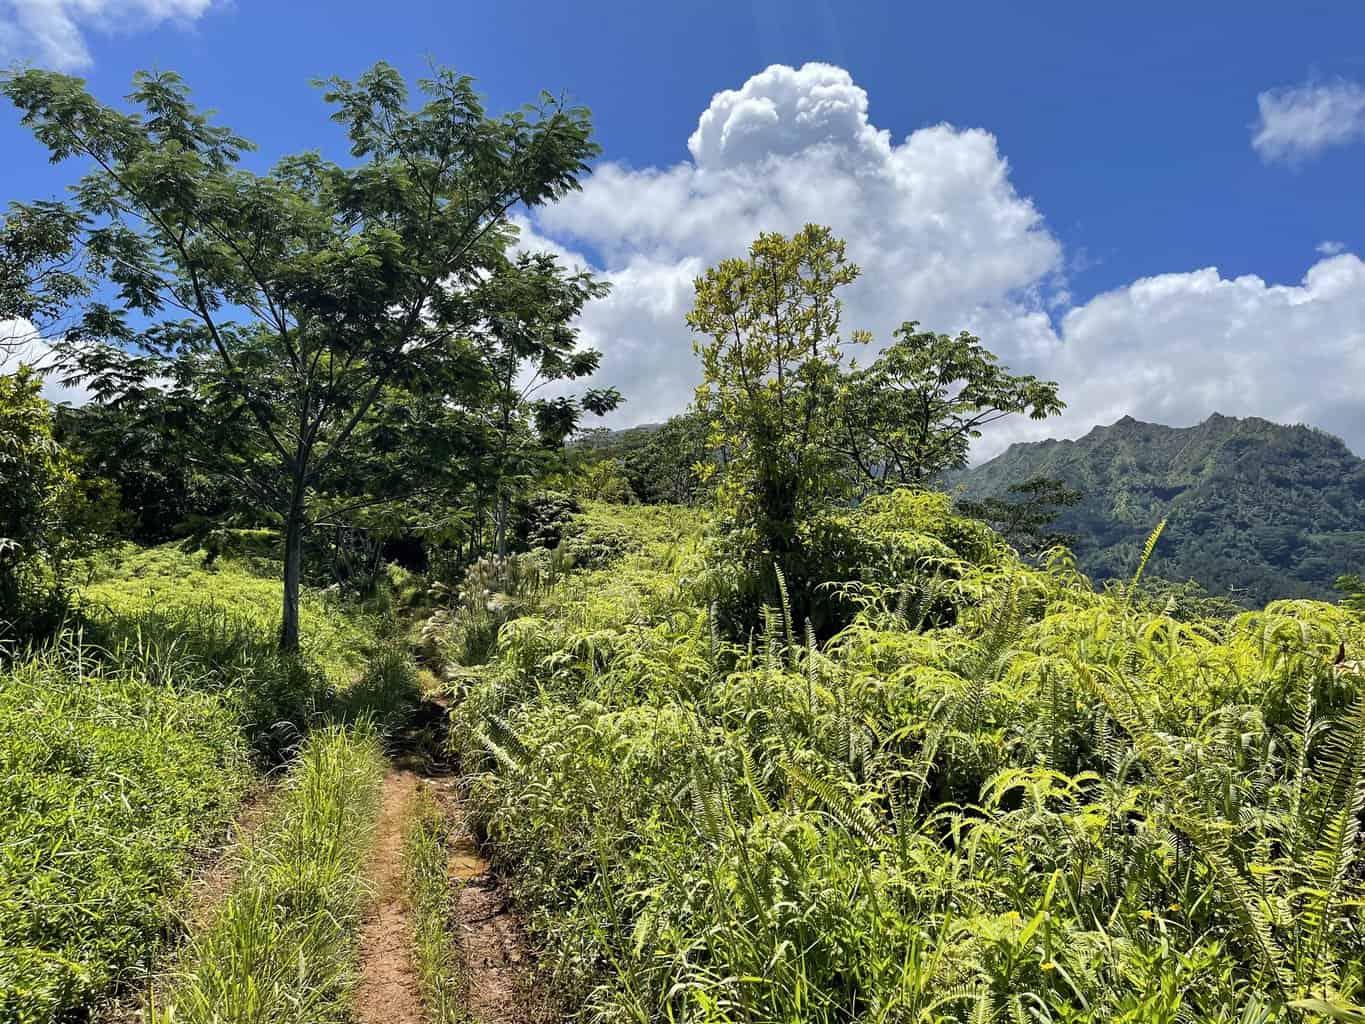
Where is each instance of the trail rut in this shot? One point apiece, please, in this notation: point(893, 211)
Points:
point(498, 963)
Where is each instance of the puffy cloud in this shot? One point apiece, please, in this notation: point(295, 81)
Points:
point(1177, 347)
point(943, 237)
point(784, 111)
point(934, 221)
point(1301, 121)
point(1331, 248)
point(52, 32)
point(20, 345)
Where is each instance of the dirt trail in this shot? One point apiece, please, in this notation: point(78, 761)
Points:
point(495, 964)
point(389, 991)
point(497, 958)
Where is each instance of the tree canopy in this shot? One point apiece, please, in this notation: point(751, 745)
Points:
point(275, 318)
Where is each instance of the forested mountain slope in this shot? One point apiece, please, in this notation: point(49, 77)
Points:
point(1257, 510)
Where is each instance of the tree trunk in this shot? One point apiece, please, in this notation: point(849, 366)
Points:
point(501, 524)
point(293, 570)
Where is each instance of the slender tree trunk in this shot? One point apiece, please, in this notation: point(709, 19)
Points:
point(293, 570)
point(501, 523)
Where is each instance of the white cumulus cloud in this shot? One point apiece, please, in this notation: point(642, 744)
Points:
point(943, 237)
point(939, 230)
point(22, 345)
point(1177, 347)
point(1302, 120)
point(52, 32)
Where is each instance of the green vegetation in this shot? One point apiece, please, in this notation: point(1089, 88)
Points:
point(125, 748)
point(810, 745)
point(325, 303)
point(281, 948)
point(1257, 511)
point(426, 877)
point(113, 769)
point(132, 588)
point(995, 794)
point(49, 516)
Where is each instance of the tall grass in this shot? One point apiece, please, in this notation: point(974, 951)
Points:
point(281, 948)
point(995, 795)
point(125, 746)
point(133, 586)
point(112, 772)
point(435, 942)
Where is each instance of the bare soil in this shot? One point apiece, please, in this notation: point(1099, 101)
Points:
point(223, 865)
point(389, 991)
point(498, 962)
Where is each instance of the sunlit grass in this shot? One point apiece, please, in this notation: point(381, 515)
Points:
point(282, 947)
point(435, 941)
point(109, 779)
point(134, 582)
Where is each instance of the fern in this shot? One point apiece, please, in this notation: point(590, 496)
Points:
point(1147, 549)
point(1343, 765)
point(852, 817)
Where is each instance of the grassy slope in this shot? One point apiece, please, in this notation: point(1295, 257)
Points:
point(120, 759)
point(1045, 804)
point(134, 583)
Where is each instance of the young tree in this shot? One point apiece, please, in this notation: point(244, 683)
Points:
point(770, 365)
point(279, 311)
point(915, 411)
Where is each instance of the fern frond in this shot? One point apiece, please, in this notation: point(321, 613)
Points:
point(850, 815)
point(1147, 550)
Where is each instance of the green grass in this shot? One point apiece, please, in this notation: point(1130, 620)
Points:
point(997, 794)
point(281, 947)
point(125, 748)
point(133, 583)
point(435, 943)
point(109, 778)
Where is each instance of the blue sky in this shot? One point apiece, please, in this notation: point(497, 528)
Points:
point(1159, 206)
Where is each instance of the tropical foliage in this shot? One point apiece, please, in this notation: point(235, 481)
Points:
point(997, 794)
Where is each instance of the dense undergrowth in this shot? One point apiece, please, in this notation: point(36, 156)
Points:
point(108, 777)
point(996, 794)
point(125, 746)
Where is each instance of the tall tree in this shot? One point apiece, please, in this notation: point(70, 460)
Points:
point(915, 411)
point(770, 366)
point(41, 270)
point(277, 312)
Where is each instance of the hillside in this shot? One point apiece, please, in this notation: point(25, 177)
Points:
point(1256, 510)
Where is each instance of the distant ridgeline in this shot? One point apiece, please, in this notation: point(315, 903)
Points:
point(1257, 511)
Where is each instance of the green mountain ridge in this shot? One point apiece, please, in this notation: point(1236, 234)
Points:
point(1256, 510)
